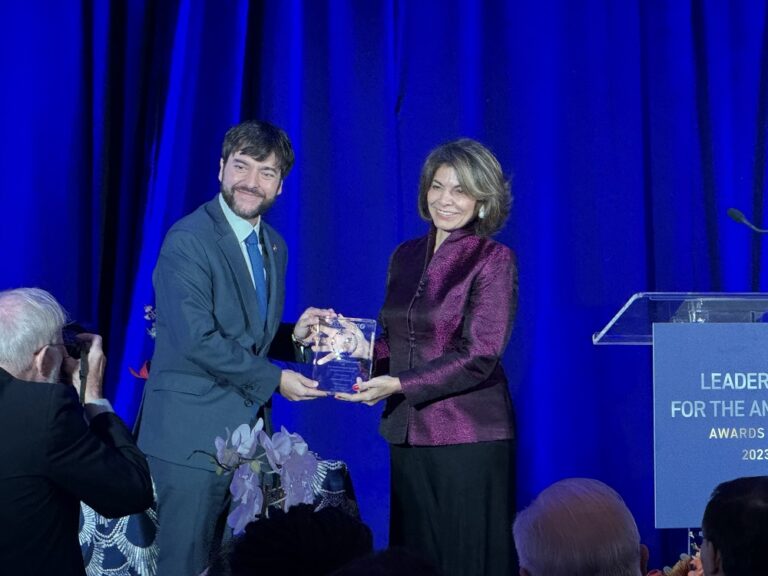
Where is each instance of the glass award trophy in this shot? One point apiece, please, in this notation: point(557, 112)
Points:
point(342, 352)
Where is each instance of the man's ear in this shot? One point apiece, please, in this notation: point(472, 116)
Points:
point(46, 362)
point(718, 562)
point(644, 559)
point(221, 169)
point(711, 559)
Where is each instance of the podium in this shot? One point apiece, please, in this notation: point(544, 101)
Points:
point(710, 391)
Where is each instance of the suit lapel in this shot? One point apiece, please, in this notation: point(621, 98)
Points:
point(275, 283)
point(233, 255)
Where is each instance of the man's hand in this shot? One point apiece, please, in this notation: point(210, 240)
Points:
point(345, 339)
point(303, 331)
point(97, 362)
point(294, 386)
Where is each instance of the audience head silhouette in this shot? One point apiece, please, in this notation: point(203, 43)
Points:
point(300, 542)
point(394, 561)
point(579, 527)
point(735, 529)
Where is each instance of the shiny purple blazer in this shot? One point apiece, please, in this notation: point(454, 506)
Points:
point(446, 321)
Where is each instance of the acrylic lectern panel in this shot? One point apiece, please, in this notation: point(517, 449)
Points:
point(710, 391)
point(633, 324)
point(710, 413)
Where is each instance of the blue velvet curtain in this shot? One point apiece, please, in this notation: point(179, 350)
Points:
point(629, 129)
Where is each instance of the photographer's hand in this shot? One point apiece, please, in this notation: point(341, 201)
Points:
point(97, 362)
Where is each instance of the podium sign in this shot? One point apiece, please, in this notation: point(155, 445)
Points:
point(710, 413)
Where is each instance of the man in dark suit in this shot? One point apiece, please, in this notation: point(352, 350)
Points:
point(54, 453)
point(219, 289)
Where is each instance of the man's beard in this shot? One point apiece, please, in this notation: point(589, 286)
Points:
point(229, 197)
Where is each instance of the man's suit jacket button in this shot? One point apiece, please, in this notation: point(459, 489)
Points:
point(248, 402)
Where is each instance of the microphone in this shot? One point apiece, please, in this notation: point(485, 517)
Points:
point(739, 217)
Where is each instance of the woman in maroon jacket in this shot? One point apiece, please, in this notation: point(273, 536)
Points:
point(447, 317)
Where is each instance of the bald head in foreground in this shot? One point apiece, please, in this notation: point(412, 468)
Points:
point(579, 527)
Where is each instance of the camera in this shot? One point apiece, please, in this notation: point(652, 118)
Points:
point(77, 349)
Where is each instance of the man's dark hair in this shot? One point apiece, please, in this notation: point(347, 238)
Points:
point(736, 524)
point(390, 562)
point(300, 542)
point(258, 140)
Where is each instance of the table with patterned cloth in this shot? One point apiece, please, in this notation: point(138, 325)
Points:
point(126, 546)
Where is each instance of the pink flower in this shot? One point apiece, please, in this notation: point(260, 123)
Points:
point(296, 478)
point(242, 445)
point(225, 455)
point(288, 457)
point(246, 490)
point(279, 447)
point(244, 439)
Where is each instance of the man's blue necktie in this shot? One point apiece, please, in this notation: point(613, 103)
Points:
point(257, 265)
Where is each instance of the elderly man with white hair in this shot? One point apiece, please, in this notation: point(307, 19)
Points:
point(56, 453)
point(579, 527)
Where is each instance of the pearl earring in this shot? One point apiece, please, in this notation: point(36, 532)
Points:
point(481, 212)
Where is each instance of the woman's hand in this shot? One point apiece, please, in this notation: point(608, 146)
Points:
point(373, 390)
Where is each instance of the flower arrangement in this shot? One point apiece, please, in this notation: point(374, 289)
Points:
point(267, 472)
